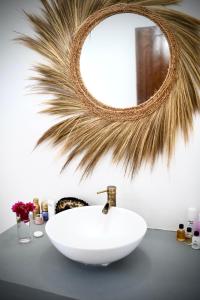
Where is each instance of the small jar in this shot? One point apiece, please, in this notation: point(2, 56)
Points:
point(38, 219)
point(196, 241)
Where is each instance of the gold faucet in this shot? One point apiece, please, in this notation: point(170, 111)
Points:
point(111, 201)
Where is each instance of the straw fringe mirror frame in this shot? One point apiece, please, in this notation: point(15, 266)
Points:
point(134, 135)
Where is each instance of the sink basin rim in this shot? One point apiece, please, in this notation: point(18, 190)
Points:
point(107, 248)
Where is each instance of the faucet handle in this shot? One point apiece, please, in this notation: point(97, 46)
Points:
point(110, 189)
point(105, 191)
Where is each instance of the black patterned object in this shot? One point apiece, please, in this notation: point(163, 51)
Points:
point(68, 203)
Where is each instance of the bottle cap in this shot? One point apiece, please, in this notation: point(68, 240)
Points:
point(35, 200)
point(181, 226)
point(192, 213)
point(189, 229)
point(196, 233)
point(44, 206)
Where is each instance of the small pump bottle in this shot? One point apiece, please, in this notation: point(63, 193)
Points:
point(196, 240)
point(36, 210)
point(180, 234)
point(188, 236)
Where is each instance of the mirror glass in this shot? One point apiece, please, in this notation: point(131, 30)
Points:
point(124, 60)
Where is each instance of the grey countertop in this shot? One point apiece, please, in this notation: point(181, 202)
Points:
point(159, 269)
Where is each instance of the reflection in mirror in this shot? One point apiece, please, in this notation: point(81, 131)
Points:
point(124, 60)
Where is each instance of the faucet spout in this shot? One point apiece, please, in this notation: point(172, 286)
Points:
point(106, 208)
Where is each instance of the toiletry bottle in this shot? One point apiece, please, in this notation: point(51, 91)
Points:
point(38, 219)
point(52, 207)
point(180, 234)
point(44, 208)
point(188, 236)
point(197, 224)
point(36, 210)
point(191, 217)
point(196, 240)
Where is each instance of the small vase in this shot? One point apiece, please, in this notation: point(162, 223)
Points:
point(23, 231)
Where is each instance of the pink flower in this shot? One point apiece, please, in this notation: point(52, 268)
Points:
point(22, 210)
point(30, 206)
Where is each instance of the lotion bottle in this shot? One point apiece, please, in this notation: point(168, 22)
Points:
point(196, 240)
point(197, 224)
point(45, 214)
point(191, 217)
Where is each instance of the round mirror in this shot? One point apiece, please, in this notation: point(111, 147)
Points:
point(124, 60)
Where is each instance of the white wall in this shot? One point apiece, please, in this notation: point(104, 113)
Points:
point(160, 195)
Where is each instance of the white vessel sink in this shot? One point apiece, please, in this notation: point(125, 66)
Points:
point(88, 236)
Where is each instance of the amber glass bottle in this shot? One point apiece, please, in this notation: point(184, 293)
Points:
point(180, 234)
point(188, 236)
point(37, 207)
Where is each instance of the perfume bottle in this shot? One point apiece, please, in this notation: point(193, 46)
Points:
point(180, 234)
